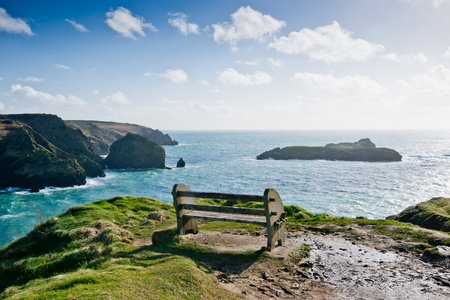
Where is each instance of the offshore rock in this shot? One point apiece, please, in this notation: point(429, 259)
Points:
point(28, 160)
point(181, 163)
point(432, 214)
point(136, 152)
point(363, 150)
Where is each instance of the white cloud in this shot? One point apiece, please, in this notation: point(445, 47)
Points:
point(408, 59)
point(276, 62)
point(436, 78)
point(247, 24)
point(346, 84)
point(27, 92)
point(122, 21)
point(233, 77)
point(77, 26)
point(329, 43)
point(13, 25)
point(2, 106)
point(31, 79)
point(176, 76)
point(1, 78)
point(447, 53)
point(62, 67)
point(179, 20)
point(96, 92)
point(248, 63)
point(117, 97)
point(435, 3)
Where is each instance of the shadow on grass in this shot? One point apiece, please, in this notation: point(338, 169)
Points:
point(166, 244)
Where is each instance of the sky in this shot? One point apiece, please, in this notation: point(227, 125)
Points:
point(230, 65)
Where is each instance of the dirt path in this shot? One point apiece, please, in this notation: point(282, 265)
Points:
point(340, 267)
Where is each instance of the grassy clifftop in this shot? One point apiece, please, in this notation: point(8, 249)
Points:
point(89, 252)
point(126, 248)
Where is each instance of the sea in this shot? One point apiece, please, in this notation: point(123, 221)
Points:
point(226, 162)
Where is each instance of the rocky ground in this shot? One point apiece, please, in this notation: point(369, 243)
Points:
point(340, 266)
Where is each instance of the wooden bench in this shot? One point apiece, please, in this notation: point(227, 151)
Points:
point(272, 216)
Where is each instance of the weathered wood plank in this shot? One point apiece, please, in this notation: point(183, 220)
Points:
point(215, 216)
point(224, 209)
point(233, 197)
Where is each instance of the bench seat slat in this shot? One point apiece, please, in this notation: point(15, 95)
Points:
point(224, 209)
point(215, 216)
point(233, 197)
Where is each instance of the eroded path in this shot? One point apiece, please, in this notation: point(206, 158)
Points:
point(340, 267)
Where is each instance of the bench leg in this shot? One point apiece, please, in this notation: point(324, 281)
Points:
point(188, 226)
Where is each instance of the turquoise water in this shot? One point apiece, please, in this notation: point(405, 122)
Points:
point(225, 162)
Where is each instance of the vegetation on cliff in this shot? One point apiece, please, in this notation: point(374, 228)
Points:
point(28, 160)
point(363, 150)
point(102, 134)
point(433, 214)
point(91, 251)
point(72, 141)
point(127, 248)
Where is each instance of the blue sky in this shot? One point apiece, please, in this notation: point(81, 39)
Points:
point(230, 65)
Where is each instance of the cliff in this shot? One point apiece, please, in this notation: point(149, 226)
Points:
point(136, 152)
point(28, 160)
point(127, 248)
point(363, 150)
point(70, 140)
point(432, 214)
point(102, 134)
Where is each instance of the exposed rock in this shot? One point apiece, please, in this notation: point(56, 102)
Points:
point(181, 163)
point(438, 252)
point(432, 214)
point(301, 216)
point(363, 150)
point(156, 215)
point(28, 160)
point(136, 152)
point(102, 134)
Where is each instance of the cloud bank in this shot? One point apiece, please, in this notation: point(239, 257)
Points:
point(27, 92)
point(346, 84)
point(330, 43)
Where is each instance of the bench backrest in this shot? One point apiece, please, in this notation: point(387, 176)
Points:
point(185, 202)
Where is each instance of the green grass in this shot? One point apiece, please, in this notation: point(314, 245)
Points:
point(88, 252)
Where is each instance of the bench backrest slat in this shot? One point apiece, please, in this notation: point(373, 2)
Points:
point(223, 196)
point(224, 209)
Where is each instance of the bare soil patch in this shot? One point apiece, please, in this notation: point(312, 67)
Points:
point(341, 266)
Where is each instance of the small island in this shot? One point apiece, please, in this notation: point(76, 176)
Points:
point(363, 150)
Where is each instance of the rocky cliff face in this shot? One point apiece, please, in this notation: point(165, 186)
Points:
point(70, 140)
point(102, 134)
point(363, 150)
point(28, 160)
point(136, 152)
